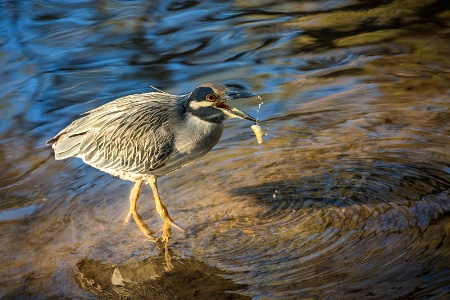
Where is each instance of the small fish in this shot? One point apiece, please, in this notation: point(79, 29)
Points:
point(258, 132)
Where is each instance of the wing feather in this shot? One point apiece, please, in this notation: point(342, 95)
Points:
point(131, 134)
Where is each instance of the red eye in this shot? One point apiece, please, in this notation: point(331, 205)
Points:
point(211, 98)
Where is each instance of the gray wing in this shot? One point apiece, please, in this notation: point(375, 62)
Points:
point(132, 134)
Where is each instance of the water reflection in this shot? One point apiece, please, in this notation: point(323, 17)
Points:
point(150, 279)
point(348, 196)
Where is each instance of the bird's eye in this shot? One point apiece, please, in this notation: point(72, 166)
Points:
point(211, 98)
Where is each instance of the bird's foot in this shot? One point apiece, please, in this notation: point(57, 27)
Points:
point(177, 226)
point(162, 211)
point(127, 218)
point(144, 228)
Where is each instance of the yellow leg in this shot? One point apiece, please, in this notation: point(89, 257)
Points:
point(144, 228)
point(134, 195)
point(166, 233)
point(160, 208)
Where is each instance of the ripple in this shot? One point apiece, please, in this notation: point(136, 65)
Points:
point(355, 224)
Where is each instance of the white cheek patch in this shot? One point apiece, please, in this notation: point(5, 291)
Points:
point(195, 104)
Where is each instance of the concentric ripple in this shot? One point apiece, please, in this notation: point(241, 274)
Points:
point(364, 223)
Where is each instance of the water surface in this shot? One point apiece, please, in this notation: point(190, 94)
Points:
point(348, 196)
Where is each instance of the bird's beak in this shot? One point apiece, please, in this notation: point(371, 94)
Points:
point(233, 112)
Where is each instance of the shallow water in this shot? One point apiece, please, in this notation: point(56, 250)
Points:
point(348, 196)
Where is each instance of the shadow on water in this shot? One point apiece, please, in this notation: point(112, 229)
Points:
point(155, 278)
point(161, 277)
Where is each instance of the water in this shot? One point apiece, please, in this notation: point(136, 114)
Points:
point(348, 196)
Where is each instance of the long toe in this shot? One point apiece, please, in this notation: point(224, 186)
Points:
point(177, 226)
point(127, 218)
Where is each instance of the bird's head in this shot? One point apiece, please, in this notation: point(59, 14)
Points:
point(208, 102)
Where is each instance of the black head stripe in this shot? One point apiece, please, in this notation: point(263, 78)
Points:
point(200, 93)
